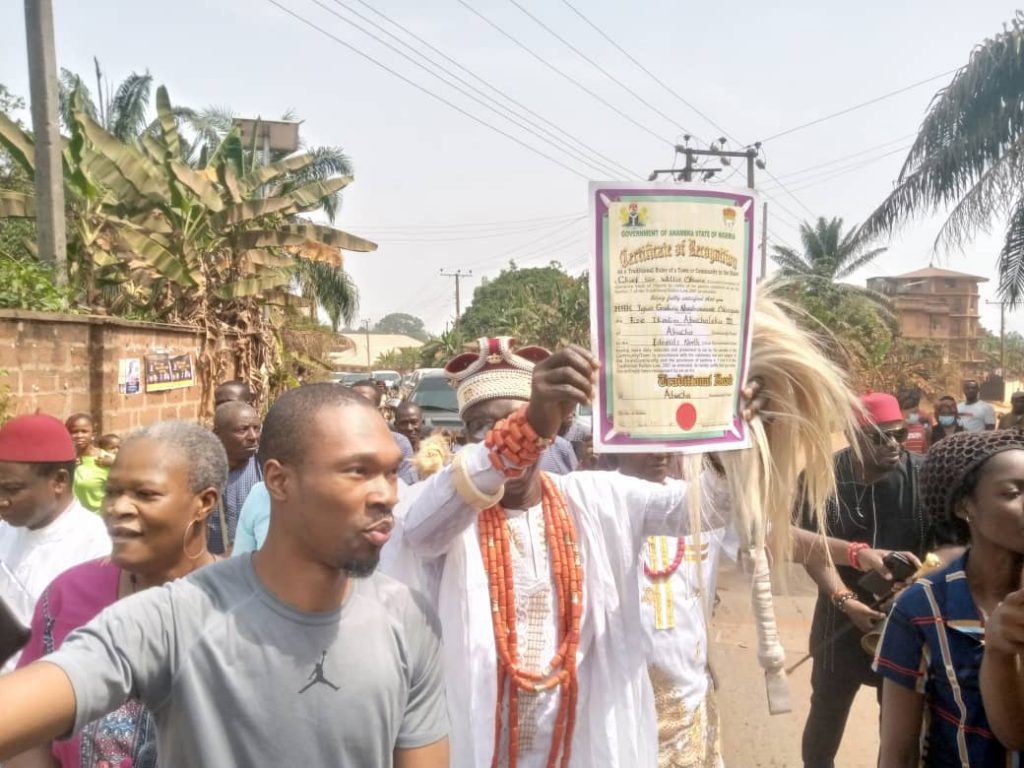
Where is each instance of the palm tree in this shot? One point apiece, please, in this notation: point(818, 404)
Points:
point(829, 257)
point(328, 288)
point(122, 112)
point(969, 154)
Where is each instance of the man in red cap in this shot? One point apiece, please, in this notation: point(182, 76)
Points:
point(43, 529)
point(877, 508)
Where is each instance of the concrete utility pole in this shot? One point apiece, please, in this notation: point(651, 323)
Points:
point(49, 176)
point(366, 330)
point(458, 275)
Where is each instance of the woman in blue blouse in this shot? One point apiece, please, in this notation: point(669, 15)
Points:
point(931, 649)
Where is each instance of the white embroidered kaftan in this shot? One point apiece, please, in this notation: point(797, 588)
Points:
point(615, 720)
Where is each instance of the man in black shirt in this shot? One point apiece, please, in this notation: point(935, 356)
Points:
point(877, 506)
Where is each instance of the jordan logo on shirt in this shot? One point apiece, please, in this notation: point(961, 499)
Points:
point(317, 676)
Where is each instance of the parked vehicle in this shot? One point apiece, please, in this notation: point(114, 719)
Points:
point(435, 396)
point(348, 378)
point(391, 378)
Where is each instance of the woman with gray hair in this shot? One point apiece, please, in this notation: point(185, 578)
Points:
point(163, 485)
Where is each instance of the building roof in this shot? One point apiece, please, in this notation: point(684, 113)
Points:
point(379, 344)
point(936, 272)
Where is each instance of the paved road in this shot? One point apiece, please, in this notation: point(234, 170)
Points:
point(753, 738)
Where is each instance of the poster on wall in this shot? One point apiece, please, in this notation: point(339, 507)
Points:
point(671, 298)
point(129, 377)
point(165, 371)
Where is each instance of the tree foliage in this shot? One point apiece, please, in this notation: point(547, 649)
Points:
point(402, 359)
point(537, 305)
point(206, 246)
point(969, 155)
point(402, 323)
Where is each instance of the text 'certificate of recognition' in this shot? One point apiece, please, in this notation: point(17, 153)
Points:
point(671, 306)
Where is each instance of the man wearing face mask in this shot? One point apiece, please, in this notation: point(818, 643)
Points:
point(947, 419)
point(919, 426)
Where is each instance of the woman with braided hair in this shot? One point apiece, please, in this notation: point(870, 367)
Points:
point(930, 653)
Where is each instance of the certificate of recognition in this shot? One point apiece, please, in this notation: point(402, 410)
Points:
point(671, 294)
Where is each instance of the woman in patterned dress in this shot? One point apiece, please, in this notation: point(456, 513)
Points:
point(165, 481)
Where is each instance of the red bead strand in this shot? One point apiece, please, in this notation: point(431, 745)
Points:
point(560, 672)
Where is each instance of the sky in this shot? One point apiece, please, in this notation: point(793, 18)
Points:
point(440, 191)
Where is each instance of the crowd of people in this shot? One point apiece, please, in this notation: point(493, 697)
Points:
point(334, 584)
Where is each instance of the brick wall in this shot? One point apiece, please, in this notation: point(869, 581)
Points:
point(60, 364)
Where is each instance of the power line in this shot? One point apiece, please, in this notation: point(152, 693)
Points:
point(648, 72)
point(656, 79)
point(786, 189)
point(511, 224)
point(505, 113)
point(494, 88)
point(562, 74)
point(827, 163)
point(599, 68)
point(852, 168)
point(855, 107)
point(441, 237)
point(427, 91)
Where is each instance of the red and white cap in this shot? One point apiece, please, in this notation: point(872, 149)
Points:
point(494, 372)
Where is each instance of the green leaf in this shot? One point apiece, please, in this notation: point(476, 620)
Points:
point(113, 163)
point(297, 234)
point(17, 142)
point(15, 205)
point(311, 195)
point(228, 152)
point(168, 125)
point(253, 286)
point(156, 254)
point(229, 179)
point(252, 209)
point(268, 173)
point(199, 185)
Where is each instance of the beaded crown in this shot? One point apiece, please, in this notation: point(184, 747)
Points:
point(494, 371)
point(951, 459)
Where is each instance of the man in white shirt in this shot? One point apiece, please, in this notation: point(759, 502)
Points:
point(976, 415)
point(677, 589)
point(43, 529)
point(560, 565)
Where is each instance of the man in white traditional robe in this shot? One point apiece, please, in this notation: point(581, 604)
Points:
point(43, 529)
point(677, 585)
point(615, 724)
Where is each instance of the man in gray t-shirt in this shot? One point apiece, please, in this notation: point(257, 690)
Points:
point(252, 681)
point(296, 655)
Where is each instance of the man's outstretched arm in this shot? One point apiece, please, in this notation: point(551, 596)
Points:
point(38, 703)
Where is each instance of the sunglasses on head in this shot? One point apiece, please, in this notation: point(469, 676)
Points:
point(878, 437)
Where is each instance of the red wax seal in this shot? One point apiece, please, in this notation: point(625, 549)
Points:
point(686, 416)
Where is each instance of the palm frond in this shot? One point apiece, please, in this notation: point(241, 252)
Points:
point(327, 162)
point(790, 261)
point(70, 86)
point(1011, 258)
point(127, 119)
point(858, 260)
point(990, 196)
point(971, 125)
point(330, 288)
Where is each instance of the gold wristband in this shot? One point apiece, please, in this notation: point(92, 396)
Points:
point(467, 489)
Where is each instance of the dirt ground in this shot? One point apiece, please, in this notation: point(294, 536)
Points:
point(751, 737)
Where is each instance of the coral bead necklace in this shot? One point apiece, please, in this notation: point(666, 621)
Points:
point(560, 672)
